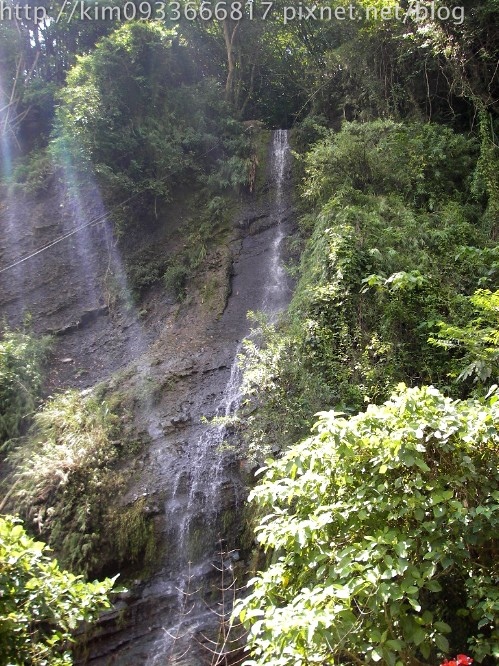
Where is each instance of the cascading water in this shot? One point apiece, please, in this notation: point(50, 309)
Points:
point(276, 289)
point(203, 472)
point(205, 476)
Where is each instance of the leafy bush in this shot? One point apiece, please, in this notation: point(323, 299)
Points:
point(274, 376)
point(21, 362)
point(231, 173)
point(33, 174)
point(309, 131)
point(40, 605)
point(174, 279)
point(424, 162)
point(144, 270)
point(67, 469)
point(381, 532)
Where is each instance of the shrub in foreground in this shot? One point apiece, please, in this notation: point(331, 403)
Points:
point(381, 531)
point(40, 605)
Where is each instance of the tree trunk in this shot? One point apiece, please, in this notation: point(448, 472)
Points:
point(229, 37)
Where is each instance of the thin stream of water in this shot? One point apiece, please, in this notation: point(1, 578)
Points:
point(275, 294)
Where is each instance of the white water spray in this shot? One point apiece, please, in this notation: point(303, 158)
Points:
point(276, 290)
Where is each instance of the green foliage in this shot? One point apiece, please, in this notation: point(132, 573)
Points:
point(381, 531)
point(21, 362)
point(135, 114)
point(308, 132)
point(487, 178)
point(393, 240)
point(40, 605)
point(144, 270)
point(67, 469)
point(175, 278)
point(32, 176)
point(206, 219)
point(478, 339)
point(423, 162)
point(70, 432)
point(202, 232)
point(275, 376)
point(231, 173)
point(136, 539)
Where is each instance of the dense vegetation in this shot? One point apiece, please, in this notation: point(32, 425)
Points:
point(392, 251)
point(381, 529)
point(146, 128)
point(376, 552)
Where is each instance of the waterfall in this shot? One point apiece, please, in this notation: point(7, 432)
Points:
point(207, 476)
point(276, 289)
point(280, 159)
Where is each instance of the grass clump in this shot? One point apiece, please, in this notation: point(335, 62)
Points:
point(70, 468)
point(175, 278)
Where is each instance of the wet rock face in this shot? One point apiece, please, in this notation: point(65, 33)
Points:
point(68, 285)
point(203, 475)
point(180, 362)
